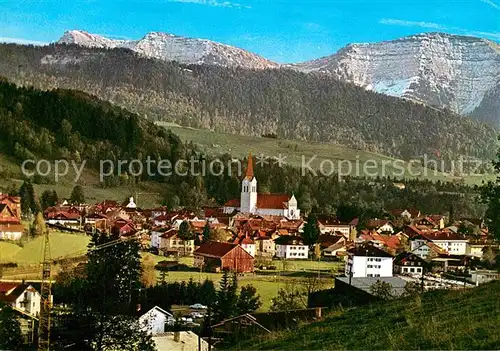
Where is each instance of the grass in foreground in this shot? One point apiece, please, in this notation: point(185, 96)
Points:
point(437, 320)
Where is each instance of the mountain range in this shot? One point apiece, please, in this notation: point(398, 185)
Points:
point(231, 99)
point(458, 73)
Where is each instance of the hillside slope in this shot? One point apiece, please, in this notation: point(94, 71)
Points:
point(291, 104)
point(442, 70)
point(438, 320)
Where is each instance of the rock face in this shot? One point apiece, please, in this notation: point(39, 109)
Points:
point(170, 47)
point(441, 70)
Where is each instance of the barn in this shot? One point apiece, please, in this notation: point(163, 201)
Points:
point(216, 256)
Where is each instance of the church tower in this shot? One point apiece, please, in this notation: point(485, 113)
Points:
point(248, 199)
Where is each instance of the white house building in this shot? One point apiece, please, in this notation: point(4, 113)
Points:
point(155, 319)
point(453, 243)
point(21, 296)
point(290, 246)
point(251, 202)
point(368, 261)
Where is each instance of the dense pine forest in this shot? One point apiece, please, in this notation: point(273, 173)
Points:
point(75, 126)
point(289, 104)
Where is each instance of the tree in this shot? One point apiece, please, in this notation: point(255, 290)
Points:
point(29, 204)
point(490, 194)
point(77, 195)
point(10, 329)
point(311, 230)
point(104, 310)
point(38, 228)
point(225, 305)
point(185, 233)
point(206, 232)
point(248, 300)
point(219, 234)
point(289, 298)
point(148, 275)
point(48, 199)
point(382, 290)
point(412, 289)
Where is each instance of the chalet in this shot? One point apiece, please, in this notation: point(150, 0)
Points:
point(291, 246)
point(381, 226)
point(368, 261)
point(333, 245)
point(406, 213)
point(95, 217)
point(21, 296)
point(171, 243)
point(390, 243)
point(426, 250)
point(252, 202)
point(157, 211)
point(409, 263)
point(155, 319)
point(14, 203)
point(218, 256)
point(10, 224)
point(246, 243)
point(329, 224)
point(453, 243)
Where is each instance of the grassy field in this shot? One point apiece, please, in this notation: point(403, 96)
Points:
point(10, 174)
point(461, 320)
point(61, 244)
point(267, 285)
point(215, 143)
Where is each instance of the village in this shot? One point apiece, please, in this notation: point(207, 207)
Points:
point(260, 235)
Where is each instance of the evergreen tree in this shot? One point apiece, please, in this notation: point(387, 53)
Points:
point(38, 228)
point(227, 297)
point(311, 230)
point(29, 203)
point(104, 314)
point(185, 233)
point(77, 195)
point(491, 196)
point(248, 300)
point(10, 329)
point(206, 232)
point(49, 198)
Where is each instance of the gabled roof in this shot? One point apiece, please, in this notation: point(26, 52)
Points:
point(403, 257)
point(232, 203)
point(158, 309)
point(289, 240)
point(368, 250)
point(272, 201)
point(169, 234)
point(215, 249)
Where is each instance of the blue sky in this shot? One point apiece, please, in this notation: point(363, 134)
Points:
point(281, 30)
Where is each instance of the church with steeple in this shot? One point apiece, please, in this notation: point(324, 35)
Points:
point(251, 202)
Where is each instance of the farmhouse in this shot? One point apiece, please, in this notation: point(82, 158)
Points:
point(409, 263)
point(218, 256)
point(251, 202)
point(10, 225)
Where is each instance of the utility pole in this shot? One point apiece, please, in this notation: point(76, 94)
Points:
point(45, 303)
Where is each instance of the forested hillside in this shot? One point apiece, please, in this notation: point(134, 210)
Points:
point(75, 126)
point(290, 104)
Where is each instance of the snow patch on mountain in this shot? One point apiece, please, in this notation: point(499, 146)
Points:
point(442, 70)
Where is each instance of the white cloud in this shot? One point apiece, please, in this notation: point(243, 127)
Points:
point(440, 27)
point(215, 3)
point(22, 41)
point(404, 23)
point(491, 3)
